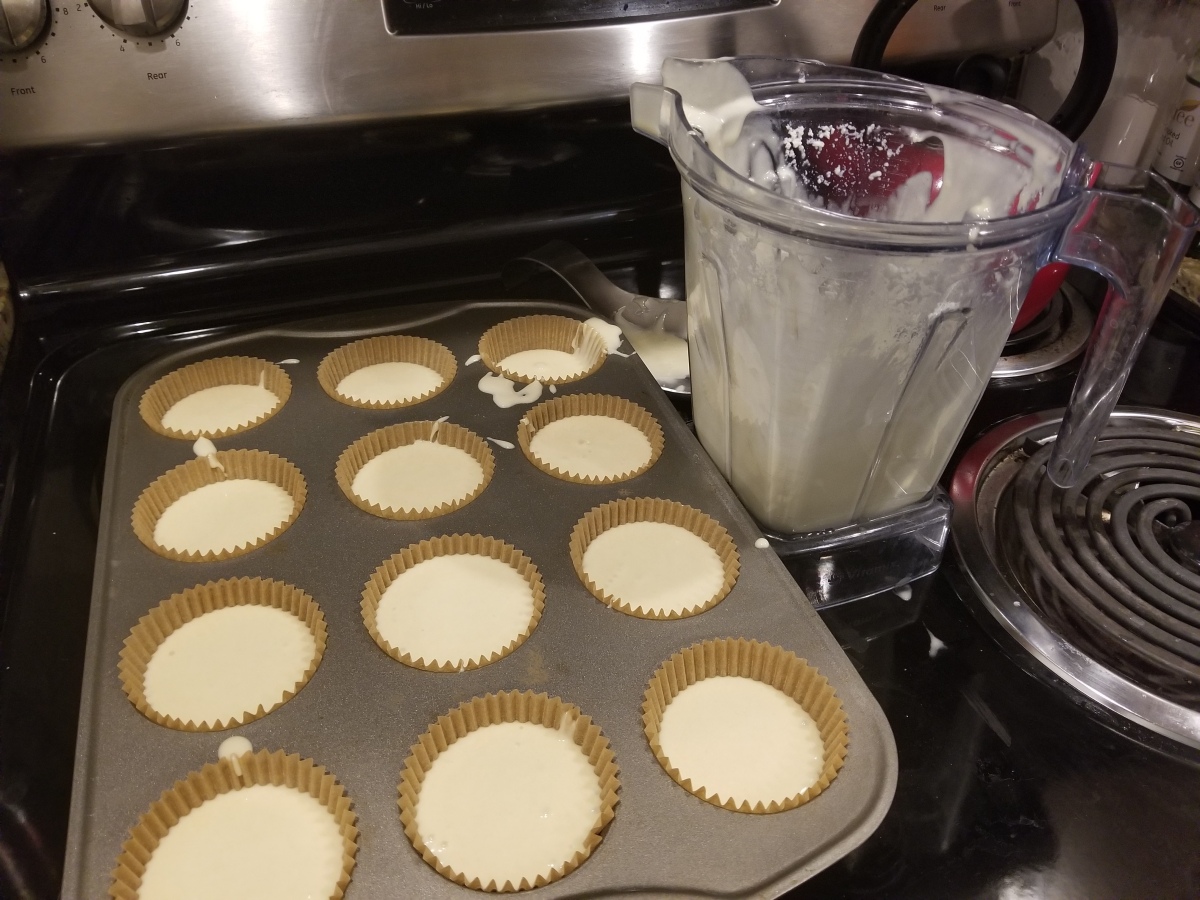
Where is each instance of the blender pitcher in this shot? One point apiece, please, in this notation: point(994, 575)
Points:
point(857, 248)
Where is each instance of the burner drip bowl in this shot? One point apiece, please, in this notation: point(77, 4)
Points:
point(1111, 563)
point(1096, 583)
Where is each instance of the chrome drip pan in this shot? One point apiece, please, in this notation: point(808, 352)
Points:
point(1108, 613)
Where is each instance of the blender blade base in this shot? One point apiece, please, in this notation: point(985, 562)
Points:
point(881, 554)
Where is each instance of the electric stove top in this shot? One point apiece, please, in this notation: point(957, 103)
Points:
point(1013, 784)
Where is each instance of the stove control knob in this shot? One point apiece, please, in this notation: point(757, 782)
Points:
point(21, 23)
point(140, 18)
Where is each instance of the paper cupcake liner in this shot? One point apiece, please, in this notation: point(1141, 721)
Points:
point(771, 665)
point(196, 473)
point(450, 545)
point(179, 609)
point(384, 349)
point(371, 445)
point(209, 373)
point(263, 767)
point(651, 509)
point(590, 405)
point(540, 333)
point(492, 709)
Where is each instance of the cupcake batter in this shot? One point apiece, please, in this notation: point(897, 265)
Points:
point(542, 364)
point(389, 382)
point(223, 516)
point(509, 801)
point(422, 475)
point(506, 394)
point(228, 662)
point(214, 409)
point(264, 842)
point(596, 446)
point(659, 567)
point(742, 740)
point(609, 333)
point(454, 609)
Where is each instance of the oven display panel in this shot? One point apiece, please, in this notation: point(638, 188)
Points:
point(456, 16)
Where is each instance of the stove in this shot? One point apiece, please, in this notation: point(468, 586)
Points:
point(1049, 344)
point(1016, 779)
point(1098, 582)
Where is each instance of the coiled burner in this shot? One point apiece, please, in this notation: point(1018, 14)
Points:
point(1113, 565)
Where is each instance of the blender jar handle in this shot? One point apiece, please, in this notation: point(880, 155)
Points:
point(1134, 230)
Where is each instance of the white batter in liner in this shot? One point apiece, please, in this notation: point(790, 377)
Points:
point(223, 516)
point(509, 801)
point(589, 445)
point(228, 662)
point(390, 382)
point(417, 476)
point(659, 567)
point(742, 739)
point(264, 842)
point(542, 363)
point(454, 609)
point(215, 409)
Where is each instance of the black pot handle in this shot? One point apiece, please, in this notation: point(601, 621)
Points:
point(1096, 64)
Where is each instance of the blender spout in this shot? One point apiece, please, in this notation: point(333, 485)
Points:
point(652, 108)
point(1133, 229)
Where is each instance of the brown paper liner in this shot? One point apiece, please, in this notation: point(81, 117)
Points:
point(196, 473)
point(540, 333)
point(769, 664)
point(589, 405)
point(651, 509)
point(179, 609)
point(450, 545)
point(384, 349)
point(263, 767)
point(492, 709)
point(208, 373)
point(371, 445)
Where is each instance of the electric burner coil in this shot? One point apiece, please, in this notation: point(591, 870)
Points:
point(1100, 583)
point(1099, 562)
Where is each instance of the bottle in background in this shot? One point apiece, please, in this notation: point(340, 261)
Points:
point(1156, 42)
point(1180, 141)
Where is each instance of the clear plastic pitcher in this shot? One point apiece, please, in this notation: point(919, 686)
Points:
point(857, 248)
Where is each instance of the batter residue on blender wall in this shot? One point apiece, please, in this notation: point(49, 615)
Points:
point(830, 381)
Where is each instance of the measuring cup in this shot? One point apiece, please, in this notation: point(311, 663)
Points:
point(857, 249)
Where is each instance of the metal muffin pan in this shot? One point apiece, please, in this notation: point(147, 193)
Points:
point(362, 710)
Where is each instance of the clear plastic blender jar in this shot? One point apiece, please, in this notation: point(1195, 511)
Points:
point(857, 249)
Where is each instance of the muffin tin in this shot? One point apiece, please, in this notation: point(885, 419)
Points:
point(362, 710)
